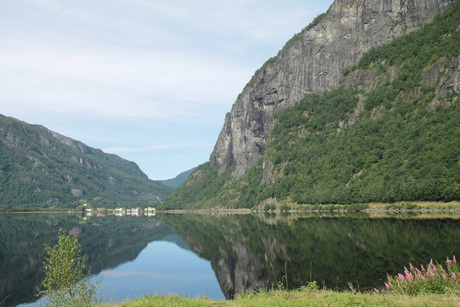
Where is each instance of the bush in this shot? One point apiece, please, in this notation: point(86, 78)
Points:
point(66, 283)
point(432, 279)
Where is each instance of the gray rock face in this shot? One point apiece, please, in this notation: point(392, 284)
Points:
point(312, 62)
point(243, 273)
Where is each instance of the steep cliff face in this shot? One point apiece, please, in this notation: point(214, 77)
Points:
point(312, 62)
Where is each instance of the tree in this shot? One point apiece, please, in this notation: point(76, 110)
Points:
point(66, 283)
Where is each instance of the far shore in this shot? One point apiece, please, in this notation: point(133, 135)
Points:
point(373, 209)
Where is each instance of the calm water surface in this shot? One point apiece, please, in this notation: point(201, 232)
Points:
point(220, 256)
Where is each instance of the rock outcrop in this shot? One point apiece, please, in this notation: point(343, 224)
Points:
point(313, 61)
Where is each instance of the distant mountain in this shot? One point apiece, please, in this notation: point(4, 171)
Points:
point(361, 106)
point(178, 180)
point(42, 168)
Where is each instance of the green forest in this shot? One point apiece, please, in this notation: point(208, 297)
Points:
point(392, 135)
point(39, 171)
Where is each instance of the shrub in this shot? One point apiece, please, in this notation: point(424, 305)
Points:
point(432, 279)
point(65, 282)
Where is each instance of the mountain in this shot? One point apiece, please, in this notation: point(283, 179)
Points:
point(349, 87)
point(42, 168)
point(178, 180)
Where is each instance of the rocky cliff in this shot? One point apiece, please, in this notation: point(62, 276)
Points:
point(313, 61)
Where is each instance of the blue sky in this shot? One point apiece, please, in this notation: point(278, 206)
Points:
point(150, 81)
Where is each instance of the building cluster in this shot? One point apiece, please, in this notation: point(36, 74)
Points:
point(150, 211)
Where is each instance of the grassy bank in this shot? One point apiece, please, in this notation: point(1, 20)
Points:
point(302, 297)
point(430, 285)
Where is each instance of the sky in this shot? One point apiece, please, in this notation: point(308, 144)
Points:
point(148, 80)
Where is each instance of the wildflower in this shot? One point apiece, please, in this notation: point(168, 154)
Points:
point(422, 267)
point(421, 277)
point(454, 260)
point(376, 290)
point(454, 276)
point(411, 266)
point(400, 276)
point(388, 285)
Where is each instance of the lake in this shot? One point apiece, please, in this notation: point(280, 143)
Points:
point(221, 255)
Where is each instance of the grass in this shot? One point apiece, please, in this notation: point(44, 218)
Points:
point(302, 297)
point(416, 287)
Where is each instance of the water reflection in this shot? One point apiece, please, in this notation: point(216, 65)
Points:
point(248, 252)
point(107, 242)
point(245, 252)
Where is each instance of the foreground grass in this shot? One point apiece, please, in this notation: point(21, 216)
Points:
point(303, 297)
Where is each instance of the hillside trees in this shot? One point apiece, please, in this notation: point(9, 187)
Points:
point(389, 133)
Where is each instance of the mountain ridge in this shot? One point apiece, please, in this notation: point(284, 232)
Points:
point(178, 180)
point(42, 168)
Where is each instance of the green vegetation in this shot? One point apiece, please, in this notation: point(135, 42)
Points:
point(301, 297)
point(40, 171)
point(432, 279)
point(398, 149)
point(201, 189)
point(390, 137)
point(178, 180)
point(67, 281)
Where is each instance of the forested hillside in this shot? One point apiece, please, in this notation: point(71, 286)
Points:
point(41, 168)
point(178, 180)
point(389, 133)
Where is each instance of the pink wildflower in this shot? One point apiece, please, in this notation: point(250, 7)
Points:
point(454, 260)
point(376, 290)
point(422, 267)
point(400, 276)
point(411, 266)
point(388, 285)
point(448, 261)
point(431, 262)
point(421, 277)
point(409, 275)
point(454, 276)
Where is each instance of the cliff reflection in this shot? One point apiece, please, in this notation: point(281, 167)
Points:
point(248, 252)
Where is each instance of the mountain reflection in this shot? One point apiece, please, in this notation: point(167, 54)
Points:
point(248, 252)
point(107, 241)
